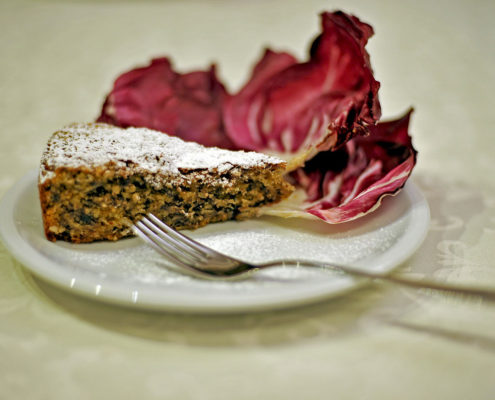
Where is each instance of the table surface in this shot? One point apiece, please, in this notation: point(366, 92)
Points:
point(59, 59)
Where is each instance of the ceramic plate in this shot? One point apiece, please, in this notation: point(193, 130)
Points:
point(128, 272)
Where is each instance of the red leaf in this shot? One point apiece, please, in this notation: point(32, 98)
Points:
point(323, 112)
point(288, 106)
point(186, 105)
point(351, 182)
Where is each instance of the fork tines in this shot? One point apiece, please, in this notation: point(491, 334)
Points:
point(176, 247)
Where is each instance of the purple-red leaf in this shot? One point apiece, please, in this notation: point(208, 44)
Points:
point(348, 183)
point(320, 113)
point(289, 106)
point(186, 105)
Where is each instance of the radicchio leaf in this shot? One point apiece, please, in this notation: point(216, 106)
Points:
point(186, 105)
point(347, 183)
point(307, 107)
point(321, 113)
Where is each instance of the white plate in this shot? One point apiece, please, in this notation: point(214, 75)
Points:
point(127, 272)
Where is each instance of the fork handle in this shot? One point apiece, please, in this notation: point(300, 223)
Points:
point(485, 293)
point(488, 294)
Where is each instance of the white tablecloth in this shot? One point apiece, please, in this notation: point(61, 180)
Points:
point(58, 60)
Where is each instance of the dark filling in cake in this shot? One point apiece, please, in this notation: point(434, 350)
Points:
point(82, 207)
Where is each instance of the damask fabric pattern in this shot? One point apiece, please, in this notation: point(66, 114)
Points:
point(377, 342)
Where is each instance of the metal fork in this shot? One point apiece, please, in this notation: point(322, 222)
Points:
point(200, 261)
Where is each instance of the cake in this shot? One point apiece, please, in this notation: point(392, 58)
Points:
point(96, 180)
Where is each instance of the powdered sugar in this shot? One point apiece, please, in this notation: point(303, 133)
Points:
point(91, 145)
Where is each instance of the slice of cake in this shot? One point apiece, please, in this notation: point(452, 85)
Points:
point(96, 180)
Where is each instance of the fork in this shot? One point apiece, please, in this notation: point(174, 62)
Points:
point(200, 261)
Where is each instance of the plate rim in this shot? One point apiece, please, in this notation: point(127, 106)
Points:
point(21, 250)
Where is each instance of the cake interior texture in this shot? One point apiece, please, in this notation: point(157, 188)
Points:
point(86, 196)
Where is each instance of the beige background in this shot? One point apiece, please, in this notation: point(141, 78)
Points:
point(57, 61)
